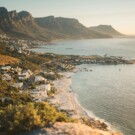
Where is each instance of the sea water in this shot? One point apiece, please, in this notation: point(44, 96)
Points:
point(108, 91)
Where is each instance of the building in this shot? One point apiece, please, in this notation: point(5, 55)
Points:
point(6, 77)
point(18, 85)
point(6, 68)
point(39, 78)
point(25, 75)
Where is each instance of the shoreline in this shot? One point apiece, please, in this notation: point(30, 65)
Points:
point(70, 101)
point(65, 97)
point(66, 100)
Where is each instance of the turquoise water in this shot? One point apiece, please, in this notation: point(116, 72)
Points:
point(108, 91)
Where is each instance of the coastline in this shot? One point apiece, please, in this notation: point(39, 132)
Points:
point(67, 100)
point(65, 97)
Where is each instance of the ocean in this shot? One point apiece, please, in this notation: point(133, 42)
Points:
point(104, 91)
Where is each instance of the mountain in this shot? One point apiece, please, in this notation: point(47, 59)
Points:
point(106, 29)
point(24, 25)
point(68, 26)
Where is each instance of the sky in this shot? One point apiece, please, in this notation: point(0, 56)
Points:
point(118, 13)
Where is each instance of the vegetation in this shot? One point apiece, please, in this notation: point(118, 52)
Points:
point(10, 95)
point(7, 59)
point(37, 59)
point(17, 59)
point(52, 91)
point(28, 65)
point(16, 118)
point(18, 112)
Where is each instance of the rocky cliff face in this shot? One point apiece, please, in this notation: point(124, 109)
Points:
point(26, 17)
point(3, 12)
point(11, 19)
point(14, 16)
point(4, 16)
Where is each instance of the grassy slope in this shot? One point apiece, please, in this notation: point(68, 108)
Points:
point(4, 59)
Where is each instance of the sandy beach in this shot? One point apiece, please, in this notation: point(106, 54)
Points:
point(65, 97)
point(66, 100)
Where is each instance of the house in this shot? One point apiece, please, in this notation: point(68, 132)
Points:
point(4, 99)
point(39, 78)
point(25, 75)
point(5, 68)
point(39, 95)
point(18, 70)
point(49, 73)
point(18, 85)
point(27, 72)
point(46, 87)
point(40, 92)
point(6, 77)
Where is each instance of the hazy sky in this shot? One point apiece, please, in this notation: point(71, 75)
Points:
point(118, 13)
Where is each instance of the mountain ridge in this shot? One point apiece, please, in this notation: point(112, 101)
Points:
point(68, 26)
point(106, 29)
point(24, 25)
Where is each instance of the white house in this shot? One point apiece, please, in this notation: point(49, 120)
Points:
point(5, 68)
point(18, 85)
point(39, 95)
point(46, 87)
point(49, 73)
point(39, 78)
point(25, 75)
point(6, 77)
point(18, 70)
point(27, 72)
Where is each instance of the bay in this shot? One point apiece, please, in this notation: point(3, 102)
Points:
point(107, 91)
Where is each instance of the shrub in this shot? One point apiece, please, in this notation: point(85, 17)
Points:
point(16, 118)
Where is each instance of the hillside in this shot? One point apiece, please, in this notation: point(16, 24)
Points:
point(23, 25)
point(106, 29)
point(68, 26)
point(4, 59)
point(62, 128)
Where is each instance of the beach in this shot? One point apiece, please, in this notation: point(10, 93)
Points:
point(66, 98)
